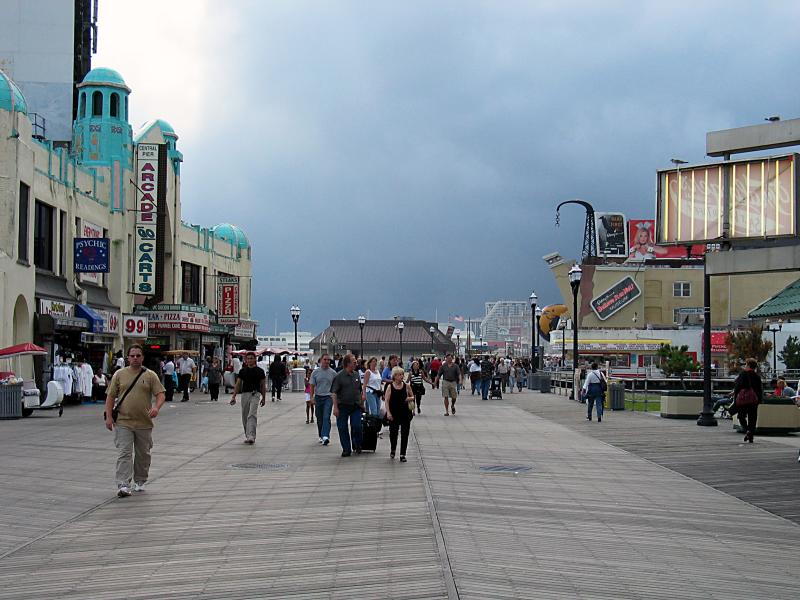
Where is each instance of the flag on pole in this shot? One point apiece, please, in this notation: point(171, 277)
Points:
point(458, 318)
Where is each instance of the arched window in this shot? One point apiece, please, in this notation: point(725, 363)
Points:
point(82, 105)
point(97, 104)
point(115, 105)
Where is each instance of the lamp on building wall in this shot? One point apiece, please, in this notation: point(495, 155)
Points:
point(774, 327)
point(361, 321)
point(295, 312)
point(534, 344)
point(400, 327)
point(574, 275)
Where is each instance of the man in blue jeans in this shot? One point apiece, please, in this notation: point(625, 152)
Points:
point(321, 380)
point(347, 408)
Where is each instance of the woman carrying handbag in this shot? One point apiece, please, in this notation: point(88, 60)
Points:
point(417, 379)
point(399, 401)
point(748, 394)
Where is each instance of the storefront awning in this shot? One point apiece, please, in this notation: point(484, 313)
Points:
point(49, 324)
point(99, 297)
point(96, 323)
point(614, 345)
point(50, 286)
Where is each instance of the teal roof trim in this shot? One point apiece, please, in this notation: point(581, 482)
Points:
point(11, 95)
point(104, 76)
point(784, 303)
point(230, 233)
point(166, 129)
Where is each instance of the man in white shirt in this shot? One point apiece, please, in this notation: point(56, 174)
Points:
point(185, 369)
point(169, 382)
point(594, 392)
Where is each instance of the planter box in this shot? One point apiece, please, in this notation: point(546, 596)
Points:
point(775, 415)
point(680, 404)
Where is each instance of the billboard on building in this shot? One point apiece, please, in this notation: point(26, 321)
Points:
point(227, 300)
point(612, 238)
point(615, 298)
point(145, 241)
point(90, 230)
point(642, 243)
point(691, 204)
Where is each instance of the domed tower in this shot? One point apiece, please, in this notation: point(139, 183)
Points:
point(101, 134)
point(11, 98)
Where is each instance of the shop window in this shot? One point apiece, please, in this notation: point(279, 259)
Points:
point(97, 104)
point(191, 283)
point(22, 230)
point(649, 360)
point(43, 230)
point(114, 105)
point(681, 289)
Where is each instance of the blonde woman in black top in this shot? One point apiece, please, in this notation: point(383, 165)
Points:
point(397, 396)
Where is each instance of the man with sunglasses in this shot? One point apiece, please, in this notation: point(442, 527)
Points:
point(132, 390)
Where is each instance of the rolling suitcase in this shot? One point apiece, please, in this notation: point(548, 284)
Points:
point(495, 391)
point(370, 427)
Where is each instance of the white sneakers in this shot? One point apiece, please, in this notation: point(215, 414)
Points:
point(325, 441)
point(138, 487)
point(320, 440)
point(123, 492)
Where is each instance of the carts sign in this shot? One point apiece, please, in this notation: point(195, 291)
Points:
point(615, 298)
point(228, 300)
point(144, 281)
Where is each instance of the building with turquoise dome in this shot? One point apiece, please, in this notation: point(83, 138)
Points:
point(124, 185)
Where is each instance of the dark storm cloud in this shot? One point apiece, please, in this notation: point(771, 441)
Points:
point(432, 141)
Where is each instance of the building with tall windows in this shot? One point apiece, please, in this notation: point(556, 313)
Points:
point(111, 195)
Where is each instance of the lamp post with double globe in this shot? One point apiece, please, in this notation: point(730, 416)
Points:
point(534, 349)
point(774, 327)
point(431, 330)
point(400, 327)
point(295, 312)
point(361, 322)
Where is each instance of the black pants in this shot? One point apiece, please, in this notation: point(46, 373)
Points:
point(747, 418)
point(184, 381)
point(405, 429)
point(213, 389)
point(418, 394)
point(277, 386)
point(169, 387)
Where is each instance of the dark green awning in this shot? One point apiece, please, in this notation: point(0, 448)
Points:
point(785, 303)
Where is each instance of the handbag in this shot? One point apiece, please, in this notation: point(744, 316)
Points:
point(115, 410)
point(746, 398)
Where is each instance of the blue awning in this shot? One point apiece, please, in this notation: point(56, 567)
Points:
point(95, 320)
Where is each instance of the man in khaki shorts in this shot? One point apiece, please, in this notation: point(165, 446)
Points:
point(450, 374)
point(132, 389)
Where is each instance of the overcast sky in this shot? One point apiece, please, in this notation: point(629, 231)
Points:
point(406, 157)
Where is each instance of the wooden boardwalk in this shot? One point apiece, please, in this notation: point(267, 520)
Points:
point(580, 518)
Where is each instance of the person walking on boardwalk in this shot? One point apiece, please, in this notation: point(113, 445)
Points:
point(386, 374)
point(129, 414)
point(594, 389)
point(475, 375)
point(371, 386)
point(321, 381)
point(398, 412)
point(417, 379)
point(277, 375)
point(214, 373)
point(251, 382)
point(502, 373)
point(748, 393)
point(186, 367)
point(487, 371)
point(347, 407)
point(450, 375)
point(169, 378)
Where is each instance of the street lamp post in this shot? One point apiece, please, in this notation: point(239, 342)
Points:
point(534, 346)
point(295, 312)
point(538, 314)
point(361, 321)
point(400, 327)
point(774, 328)
point(458, 342)
point(575, 283)
point(563, 328)
point(431, 330)
point(469, 342)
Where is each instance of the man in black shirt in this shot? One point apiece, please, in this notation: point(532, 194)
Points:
point(251, 381)
point(346, 394)
point(277, 375)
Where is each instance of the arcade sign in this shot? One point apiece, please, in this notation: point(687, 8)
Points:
point(615, 298)
point(145, 243)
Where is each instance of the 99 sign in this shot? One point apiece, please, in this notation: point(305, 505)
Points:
point(134, 326)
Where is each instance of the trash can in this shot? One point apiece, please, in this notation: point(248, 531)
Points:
point(544, 383)
point(11, 401)
point(616, 396)
point(298, 379)
point(533, 381)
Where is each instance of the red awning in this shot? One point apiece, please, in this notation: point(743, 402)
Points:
point(26, 349)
